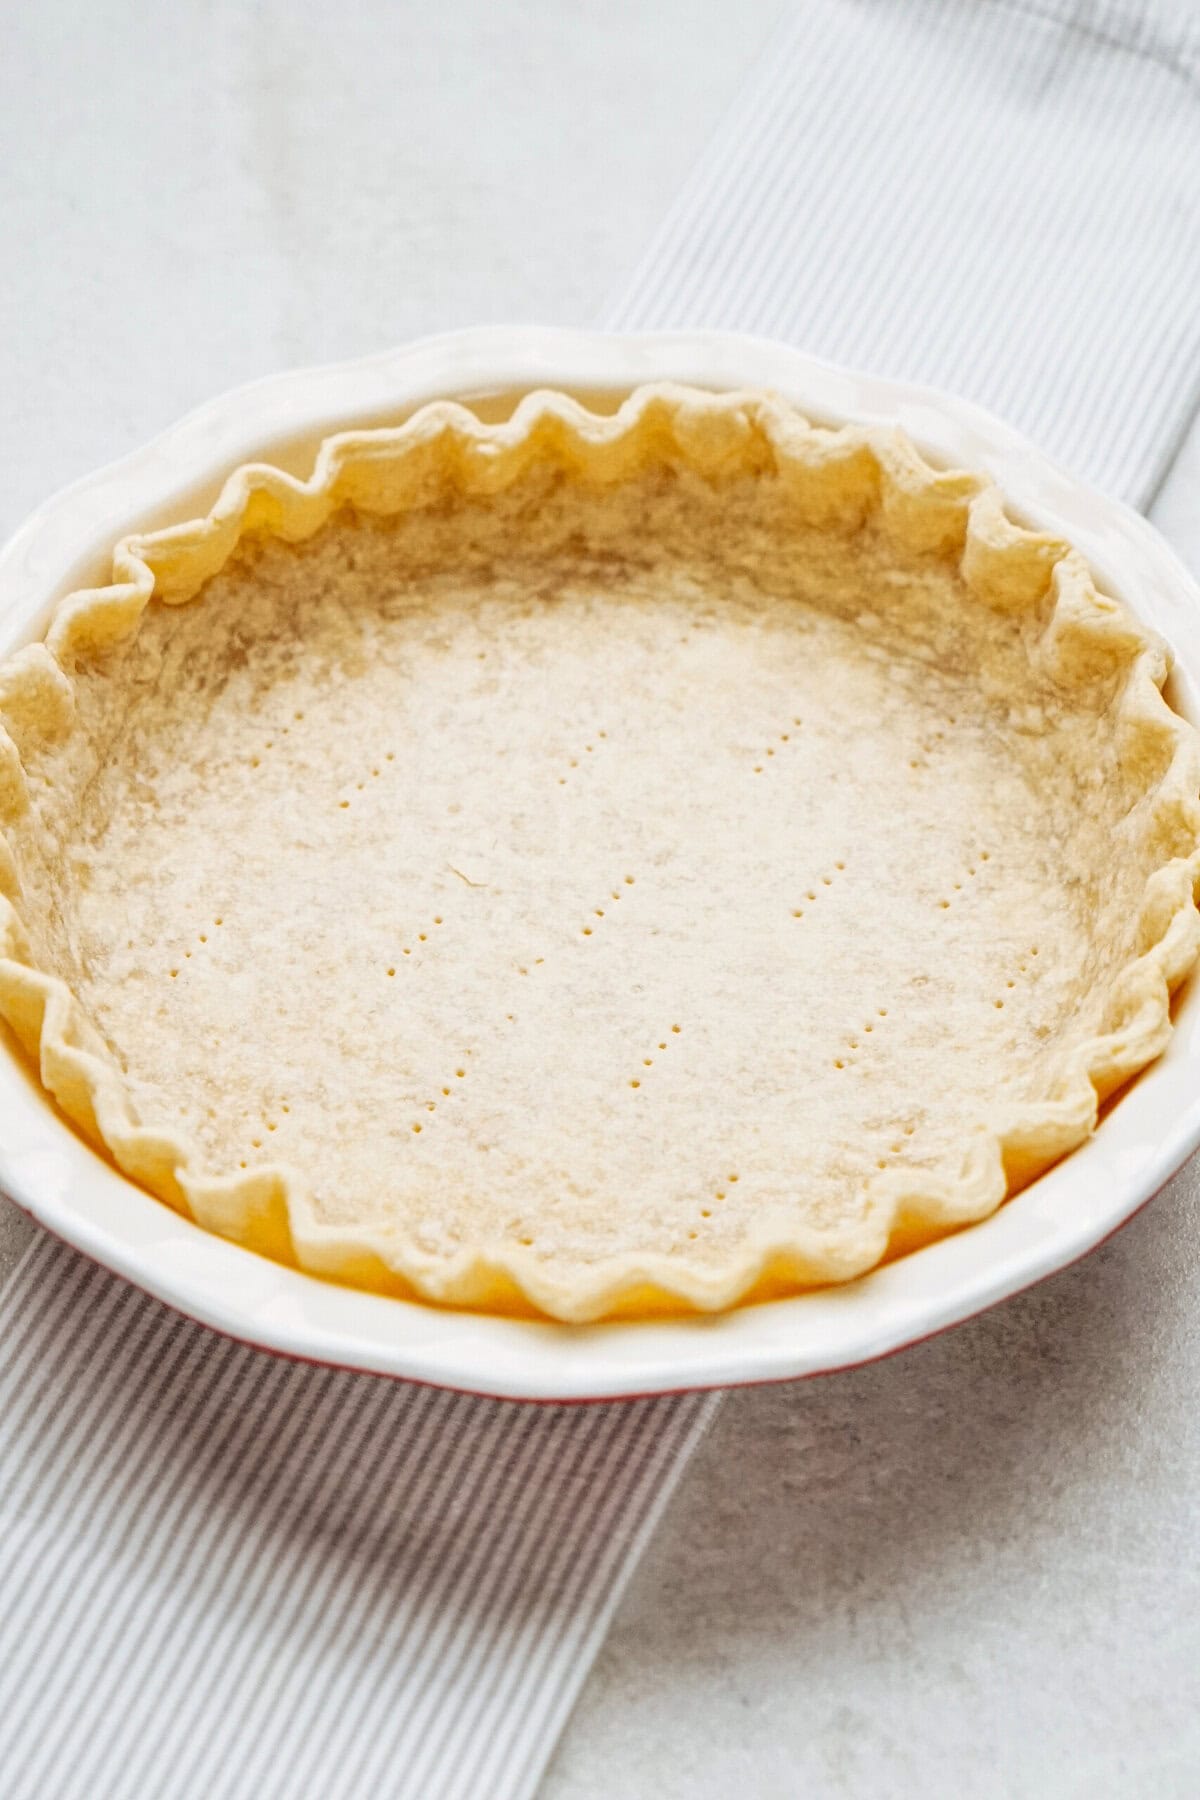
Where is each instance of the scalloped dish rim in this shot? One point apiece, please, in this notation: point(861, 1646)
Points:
point(40, 1006)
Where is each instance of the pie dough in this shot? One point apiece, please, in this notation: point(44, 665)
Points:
point(594, 864)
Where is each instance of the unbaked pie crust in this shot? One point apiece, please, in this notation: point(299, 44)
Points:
point(591, 864)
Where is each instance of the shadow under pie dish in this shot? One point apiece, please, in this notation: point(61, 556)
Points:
point(595, 864)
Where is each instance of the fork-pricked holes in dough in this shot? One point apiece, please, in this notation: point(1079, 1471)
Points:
point(272, 1121)
point(413, 948)
point(578, 763)
point(448, 1088)
point(861, 1038)
point(818, 888)
point(602, 911)
point(777, 747)
point(648, 1062)
point(201, 940)
point(960, 885)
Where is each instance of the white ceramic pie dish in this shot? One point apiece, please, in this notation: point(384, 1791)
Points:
point(72, 1191)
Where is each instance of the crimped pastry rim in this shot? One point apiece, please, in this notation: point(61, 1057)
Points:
point(265, 1207)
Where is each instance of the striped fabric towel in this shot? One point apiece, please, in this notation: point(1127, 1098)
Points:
point(226, 1575)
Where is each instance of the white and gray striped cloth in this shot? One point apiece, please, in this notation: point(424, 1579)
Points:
point(227, 1575)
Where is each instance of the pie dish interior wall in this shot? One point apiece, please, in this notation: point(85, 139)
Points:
point(697, 371)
